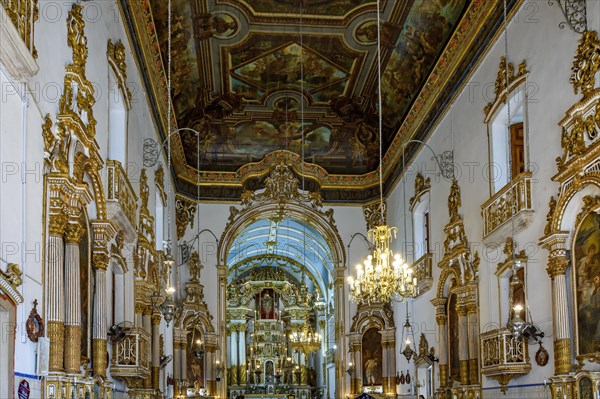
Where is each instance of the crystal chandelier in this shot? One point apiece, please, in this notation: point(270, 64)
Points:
point(306, 341)
point(383, 275)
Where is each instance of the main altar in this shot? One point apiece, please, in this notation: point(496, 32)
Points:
point(272, 336)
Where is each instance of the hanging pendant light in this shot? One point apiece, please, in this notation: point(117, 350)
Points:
point(383, 275)
point(169, 307)
point(408, 351)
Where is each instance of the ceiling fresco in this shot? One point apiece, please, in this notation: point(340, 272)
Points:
point(424, 34)
point(262, 78)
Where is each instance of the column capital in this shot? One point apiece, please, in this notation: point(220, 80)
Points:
point(100, 261)
point(471, 308)
point(557, 265)
point(58, 223)
point(461, 310)
point(156, 318)
point(74, 230)
point(441, 319)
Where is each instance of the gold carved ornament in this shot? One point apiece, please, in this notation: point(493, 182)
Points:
point(23, 14)
point(501, 86)
point(116, 59)
point(375, 214)
point(185, 210)
point(13, 275)
point(422, 185)
point(586, 63)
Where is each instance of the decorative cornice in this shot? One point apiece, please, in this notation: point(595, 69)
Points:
point(422, 187)
point(503, 87)
point(116, 59)
point(10, 280)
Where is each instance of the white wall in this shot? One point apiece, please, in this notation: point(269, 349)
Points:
point(534, 36)
point(21, 118)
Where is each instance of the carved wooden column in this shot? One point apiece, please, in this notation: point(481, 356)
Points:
point(55, 295)
point(473, 343)
point(156, 318)
point(211, 381)
point(74, 232)
point(463, 341)
point(340, 332)
point(385, 348)
point(242, 375)
point(221, 333)
point(176, 365)
point(557, 266)
point(442, 322)
point(356, 375)
point(102, 232)
point(233, 355)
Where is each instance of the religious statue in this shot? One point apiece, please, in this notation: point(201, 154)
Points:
point(454, 201)
point(195, 266)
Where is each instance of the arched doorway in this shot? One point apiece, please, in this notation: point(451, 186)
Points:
point(279, 289)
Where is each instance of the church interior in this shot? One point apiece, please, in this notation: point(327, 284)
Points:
point(300, 199)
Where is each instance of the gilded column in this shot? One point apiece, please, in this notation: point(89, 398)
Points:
point(55, 294)
point(340, 332)
point(147, 320)
point(473, 343)
point(184, 361)
point(156, 351)
point(72, 352)
point(358, 369)
point(176, 364)
point(463, 344)
point(100, 264)
point(233, 378)
point(442, 322)
point(211, 383)
point(392, 366)
point(242, 375)
point(102, 231)
point(385, 368)
point(557, 266)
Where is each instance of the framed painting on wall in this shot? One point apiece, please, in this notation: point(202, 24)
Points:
point(586, 283)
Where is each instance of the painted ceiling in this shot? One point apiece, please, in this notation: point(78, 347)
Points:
point(265, 80)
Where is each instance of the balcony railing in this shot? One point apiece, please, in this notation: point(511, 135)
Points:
point(131, 355)
point(513, 201)
point(23, 14)
point(121, 199)
point(422, 268)
point(503, 357)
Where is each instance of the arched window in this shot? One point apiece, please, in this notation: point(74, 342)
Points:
point(117, 121)
point(507, 137)
point(119, 101)
point(117, 294)
point(420, 207)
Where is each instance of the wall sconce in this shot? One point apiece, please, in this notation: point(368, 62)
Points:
point(218, 369)
point(350, 369)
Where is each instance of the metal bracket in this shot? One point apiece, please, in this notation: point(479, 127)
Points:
point(446, 163)
point(150, 152)
point(575, 12)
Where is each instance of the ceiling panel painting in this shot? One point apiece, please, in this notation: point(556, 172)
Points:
point(310, 7)
point(185, 76)
point(320, 67)
point(425, 33)
point(256, 77)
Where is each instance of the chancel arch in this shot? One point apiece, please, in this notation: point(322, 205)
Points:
point(280, 257)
